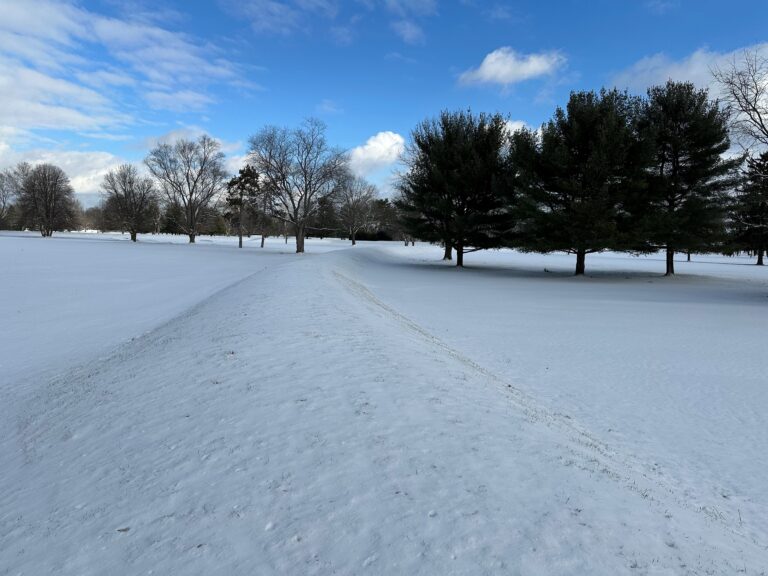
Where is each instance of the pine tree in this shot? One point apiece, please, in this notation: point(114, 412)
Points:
point(453, 190)
point(574, 178)
point(242, 195)
point(750, 213)
point(686, 201)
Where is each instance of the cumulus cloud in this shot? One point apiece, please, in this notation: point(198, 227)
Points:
point(504, 66)
point(696, 67)
point(515, 125)
point(379, 151)
point(85, 169)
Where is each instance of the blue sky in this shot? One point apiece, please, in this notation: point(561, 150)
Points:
point(91, 84)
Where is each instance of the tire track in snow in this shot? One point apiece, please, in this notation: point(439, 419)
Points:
point(589, 453)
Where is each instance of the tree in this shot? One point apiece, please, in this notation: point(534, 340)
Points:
point(453, 189)
point(744, 85)
point(298, 168)
point(354, 199)
point(689, 176)
point(47, 200)
point(325, 221)
point(130, 200)
point(386, 220)
point(575, 177)
point(93, 218)
point(190, 174)
point(11, 181)
point(7, 194)
point(750, 214)
point(242, 195)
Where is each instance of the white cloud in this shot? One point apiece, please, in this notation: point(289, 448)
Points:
point(328, 107)
point(697, 68)
point(33, 99)
point(504, 66)
point(235, 163)
point(86, 170)
point(661, 6)
point(515, 125)
point(409, 31)
point(50, 44)
point(281, 17)
point(181, 101)
point(414, 7)
point(379, 151)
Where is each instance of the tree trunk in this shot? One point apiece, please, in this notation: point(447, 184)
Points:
point(448, 255)
point(353, 238)
point(192, 237)
point(413, 243)
point(581, 262)
point(240, 239)
point(670, 261)
point(262, 239)
point(459, 256)
point(133, 236)
point(760, 252)
point(299, 239)
point(689, 255)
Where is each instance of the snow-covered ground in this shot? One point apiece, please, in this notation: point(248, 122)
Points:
point(177, 409)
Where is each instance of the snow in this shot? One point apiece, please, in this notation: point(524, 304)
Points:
point(375, 411)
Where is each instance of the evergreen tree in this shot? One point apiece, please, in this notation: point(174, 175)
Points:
point(575, 178)
point(453, 189)
point(325, 221)
point(686, 201)
point(242, 196)
point(750, 213)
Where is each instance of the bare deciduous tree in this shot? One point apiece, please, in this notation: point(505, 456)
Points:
point(191, 174)
point(354, 199)
point(298, 168)
point(11, 181)
point(131, 200)
point(7, 194)
point(745, 88)
point(46, 199)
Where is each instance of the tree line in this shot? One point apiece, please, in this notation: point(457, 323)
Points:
point(608, 171)
point(294, 183)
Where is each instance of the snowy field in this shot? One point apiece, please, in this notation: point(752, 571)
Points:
point(176, 409)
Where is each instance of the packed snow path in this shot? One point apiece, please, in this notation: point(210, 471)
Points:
point(296, 423)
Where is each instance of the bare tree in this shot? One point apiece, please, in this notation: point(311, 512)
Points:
point(191, 174)
point(298, 168)
point(354, 199)
point(745, 88)
point(11, 181)
point(131, 200)
point(7, 194)
point(46, 199)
